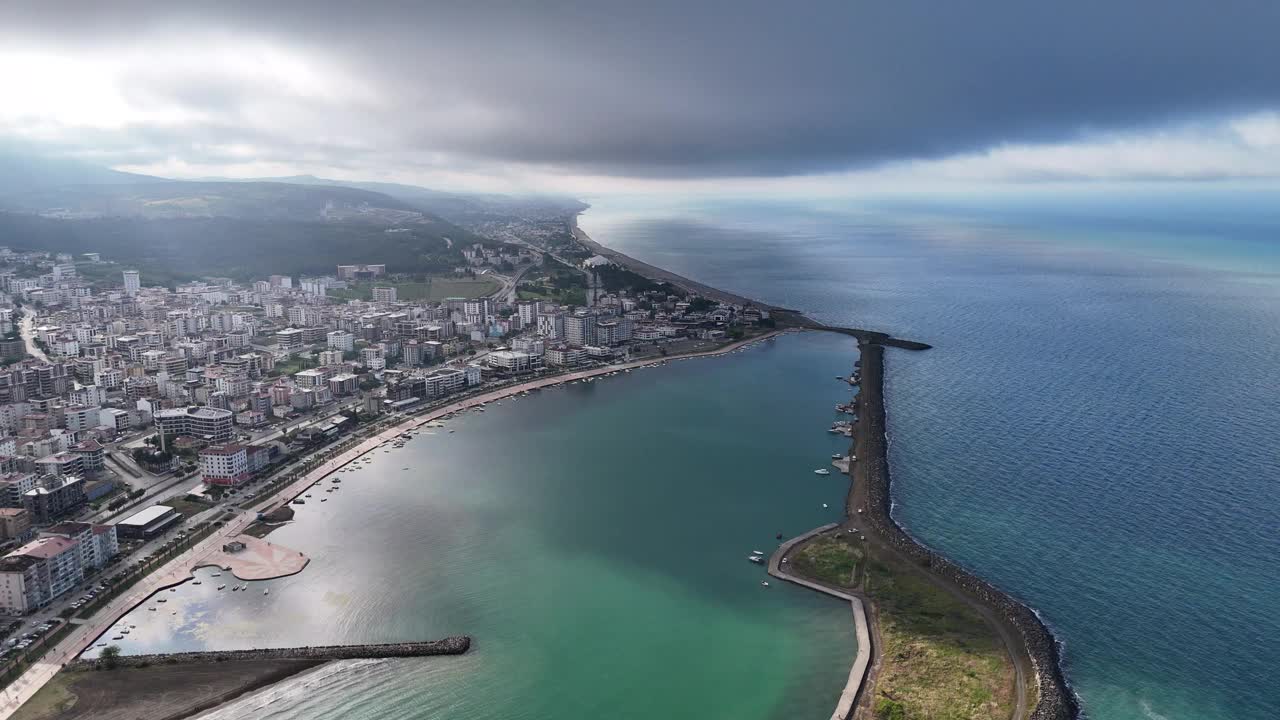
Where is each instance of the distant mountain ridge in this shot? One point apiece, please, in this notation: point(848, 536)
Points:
point(457, 207)
point(72, 189)
point(20, 172)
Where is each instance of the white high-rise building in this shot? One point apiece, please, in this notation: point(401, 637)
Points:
point(341, 340)
point(580, 330)
point(132, 282)
point(551, 325)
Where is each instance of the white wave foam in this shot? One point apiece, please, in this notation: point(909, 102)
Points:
point(287, 692)
point(1151, 713)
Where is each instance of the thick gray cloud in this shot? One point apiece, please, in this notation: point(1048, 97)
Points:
point(676, 89)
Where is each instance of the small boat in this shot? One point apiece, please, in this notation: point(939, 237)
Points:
point(822, 471)
point(195, 582)
point(151, 609)
point(757, 552)
point(757, 559)
point(216, 575)
point(836, 457)
point(162, 600)
point(324, 499)
point(220, 587)
point(299, 501)
point(764, 583)
point(267, 591)
point(824, 505)
point(118, 637)
point(124, 632)
point(101, 645)
point(173, 589)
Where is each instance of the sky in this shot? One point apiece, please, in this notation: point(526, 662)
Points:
point(653, 96)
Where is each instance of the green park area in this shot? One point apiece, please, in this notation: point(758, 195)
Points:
point(940, 657)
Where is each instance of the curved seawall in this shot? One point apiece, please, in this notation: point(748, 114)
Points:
point(1055, 699)
point(862, 660)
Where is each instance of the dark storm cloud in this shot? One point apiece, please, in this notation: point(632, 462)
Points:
point(715, 88)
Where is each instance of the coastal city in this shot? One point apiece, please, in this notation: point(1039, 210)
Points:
point(133, 412)
point(461, 361)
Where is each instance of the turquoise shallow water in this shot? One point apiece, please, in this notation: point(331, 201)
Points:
point(1098, 427)
point(593, 540)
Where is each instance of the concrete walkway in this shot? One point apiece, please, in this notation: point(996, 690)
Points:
point(260, 560)
point(858, 672)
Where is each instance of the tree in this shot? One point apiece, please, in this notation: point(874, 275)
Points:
point(110, 657)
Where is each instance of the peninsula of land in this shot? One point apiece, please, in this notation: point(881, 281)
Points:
point(1039, 688)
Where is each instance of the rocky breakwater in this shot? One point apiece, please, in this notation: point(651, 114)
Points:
point(456, 645)
point(1056, 701)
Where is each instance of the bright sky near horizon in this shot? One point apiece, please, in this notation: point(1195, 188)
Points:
point(815, 96)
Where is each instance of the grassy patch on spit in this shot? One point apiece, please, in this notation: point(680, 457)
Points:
point(941, 659)
point(52, 700)
point(832, 559)
point(156, 692)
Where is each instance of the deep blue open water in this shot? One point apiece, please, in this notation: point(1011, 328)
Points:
point(1098, 427)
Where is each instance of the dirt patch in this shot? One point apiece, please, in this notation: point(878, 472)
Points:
point(157, 692)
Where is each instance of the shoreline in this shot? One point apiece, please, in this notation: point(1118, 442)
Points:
point(286, 495)
point(656, 273)
point(181, 567)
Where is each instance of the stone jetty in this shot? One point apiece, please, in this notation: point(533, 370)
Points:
point(1056, 701)
point(456, 645)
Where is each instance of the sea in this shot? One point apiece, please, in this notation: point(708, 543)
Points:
point(1096, 430)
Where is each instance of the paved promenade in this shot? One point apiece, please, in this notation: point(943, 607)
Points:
point(209, 551)
point(858, 672)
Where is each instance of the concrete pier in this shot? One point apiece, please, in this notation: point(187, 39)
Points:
point(858, 672)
